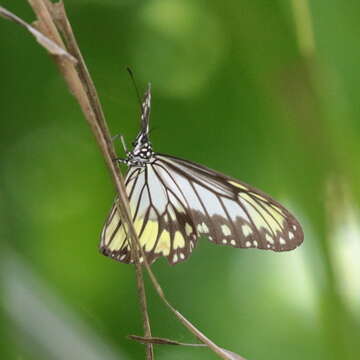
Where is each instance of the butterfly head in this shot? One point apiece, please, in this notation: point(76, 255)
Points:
point(141, 153)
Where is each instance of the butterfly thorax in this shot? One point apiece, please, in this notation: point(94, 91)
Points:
point(141, 154)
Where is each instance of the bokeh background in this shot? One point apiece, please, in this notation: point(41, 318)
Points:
point(265, 91)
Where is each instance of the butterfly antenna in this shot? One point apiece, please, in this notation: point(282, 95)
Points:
point(134, 83)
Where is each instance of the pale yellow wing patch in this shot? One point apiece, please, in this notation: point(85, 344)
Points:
point(169, 233)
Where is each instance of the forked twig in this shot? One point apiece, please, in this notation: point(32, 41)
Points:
point(164, 341)
point(50, 46)
point(52, 19)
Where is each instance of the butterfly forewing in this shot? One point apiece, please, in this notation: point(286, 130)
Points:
point(230, 212)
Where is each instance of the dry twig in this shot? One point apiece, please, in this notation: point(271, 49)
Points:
point(163, 341)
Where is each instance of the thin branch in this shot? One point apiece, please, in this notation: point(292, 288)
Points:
point(161, 341)
point(49, 45)
point(164, 341)
point(52, 17)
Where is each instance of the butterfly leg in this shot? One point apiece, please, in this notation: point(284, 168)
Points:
point(122, 141)
point(113, 138)
point(121, 160)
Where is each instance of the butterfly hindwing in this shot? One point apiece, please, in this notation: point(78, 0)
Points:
point(161, 221)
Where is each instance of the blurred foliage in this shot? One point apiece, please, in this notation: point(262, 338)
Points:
point(255, 89)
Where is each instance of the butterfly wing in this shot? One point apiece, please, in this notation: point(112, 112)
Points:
point(230, 212)
point(174, 202)
point(161, 221)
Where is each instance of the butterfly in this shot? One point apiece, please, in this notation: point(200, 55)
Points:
point(174, 202)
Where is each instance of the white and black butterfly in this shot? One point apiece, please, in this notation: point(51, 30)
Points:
point(175, 201)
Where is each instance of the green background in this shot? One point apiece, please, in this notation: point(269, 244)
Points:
point(261, 90)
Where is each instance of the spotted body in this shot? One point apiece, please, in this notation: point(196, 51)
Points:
point(174, 202)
